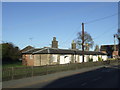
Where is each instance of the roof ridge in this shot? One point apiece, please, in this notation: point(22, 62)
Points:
point(66, 49)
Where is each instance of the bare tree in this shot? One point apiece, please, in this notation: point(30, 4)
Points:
point(88, 41)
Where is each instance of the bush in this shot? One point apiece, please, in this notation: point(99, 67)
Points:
point(111, 59)
point(99, 59)
point(90, 59)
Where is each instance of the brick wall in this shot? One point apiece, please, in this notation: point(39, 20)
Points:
point(115, 53)
point(24, 61)
point(28, 59)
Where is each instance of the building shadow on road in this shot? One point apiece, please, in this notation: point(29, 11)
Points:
point(105, 77)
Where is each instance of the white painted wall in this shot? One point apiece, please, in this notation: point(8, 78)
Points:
point(104, 57)
point(64, 59)
point(95, 58)
point(86, 58)
point(68, 59)
point(80, 58)
point(90, 56)
point(54, 58)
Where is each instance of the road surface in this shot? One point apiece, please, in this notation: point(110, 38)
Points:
point(108, 77)
point(103, 77)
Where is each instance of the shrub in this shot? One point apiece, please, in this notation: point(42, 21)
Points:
point(111, 59)
point(10, 52)
point(90, 59)
point(99, 59)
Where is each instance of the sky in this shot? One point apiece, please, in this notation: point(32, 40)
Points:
point(36, 23)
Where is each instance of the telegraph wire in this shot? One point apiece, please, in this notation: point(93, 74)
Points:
point(92, 21)
point(105, 32)
point(99, 19)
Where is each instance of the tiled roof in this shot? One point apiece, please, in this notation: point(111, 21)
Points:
point(31, 51)
point(61, 51)
point(26, 48)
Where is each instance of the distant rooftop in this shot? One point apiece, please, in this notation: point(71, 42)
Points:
point(105, 47)
point(27, 48)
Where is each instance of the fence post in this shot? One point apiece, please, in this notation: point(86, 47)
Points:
point(12, 73)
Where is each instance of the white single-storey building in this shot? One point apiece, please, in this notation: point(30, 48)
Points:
point(49, 56)
point(54, 55)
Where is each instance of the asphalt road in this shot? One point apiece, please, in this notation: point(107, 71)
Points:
point(107, 77)
point(104, 77)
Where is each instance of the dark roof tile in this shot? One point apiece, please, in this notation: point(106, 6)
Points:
point(61, 51)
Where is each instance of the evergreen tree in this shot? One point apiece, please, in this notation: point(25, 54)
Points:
point(10, 52)
point(97, 48)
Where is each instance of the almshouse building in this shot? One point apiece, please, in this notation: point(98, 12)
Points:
point(53, 55)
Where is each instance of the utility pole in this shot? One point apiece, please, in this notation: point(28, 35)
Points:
point(83, 42)
point(114, 44)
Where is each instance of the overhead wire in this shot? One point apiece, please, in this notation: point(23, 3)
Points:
point(105, 32)
point(92, 21)
point(99, 19)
